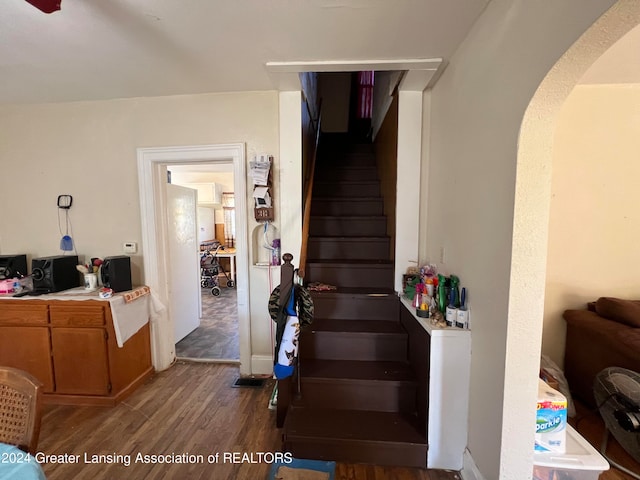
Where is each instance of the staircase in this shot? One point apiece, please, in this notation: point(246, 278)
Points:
point(358, 389)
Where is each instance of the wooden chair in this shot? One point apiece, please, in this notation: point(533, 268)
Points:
point(20, 409)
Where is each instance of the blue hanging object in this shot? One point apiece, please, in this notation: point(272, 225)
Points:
point(289, 343)
point(66, 244)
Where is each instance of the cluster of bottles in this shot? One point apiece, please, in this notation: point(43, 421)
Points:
point(439, 293)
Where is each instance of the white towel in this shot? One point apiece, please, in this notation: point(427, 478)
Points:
point(128, 318)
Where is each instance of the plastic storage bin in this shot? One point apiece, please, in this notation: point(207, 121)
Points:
point(580, 462)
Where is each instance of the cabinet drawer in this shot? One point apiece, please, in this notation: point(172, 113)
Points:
point(14, 314)
point(76, 315)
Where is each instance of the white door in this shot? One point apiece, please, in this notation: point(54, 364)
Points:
point(184, 268)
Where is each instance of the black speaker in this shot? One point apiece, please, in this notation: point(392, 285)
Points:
point(116, 273)
point(12, 266)
point(54, 274)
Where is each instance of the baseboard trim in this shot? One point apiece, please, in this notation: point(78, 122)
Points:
point(469, 469)
point(261, 364)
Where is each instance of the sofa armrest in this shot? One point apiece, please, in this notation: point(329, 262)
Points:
point(592, 344)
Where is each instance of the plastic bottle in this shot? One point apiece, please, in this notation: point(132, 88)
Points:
point(417, 299)
point(442, 293)
point(451, 311)
point(275, 252)
point(430, 287)
point(454, 285)
point(462, 317)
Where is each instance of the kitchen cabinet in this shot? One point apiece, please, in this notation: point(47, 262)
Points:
point(24, 341)
point(71, 347)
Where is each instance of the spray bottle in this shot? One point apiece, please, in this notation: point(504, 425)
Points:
point(454, 282)
point(451, 312)
point(442, 293)
point(462, 317)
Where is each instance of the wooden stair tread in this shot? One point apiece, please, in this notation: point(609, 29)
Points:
point(352, 167)
point(348, 217)
point(357, 291)
point(353, 425)
point(345, 182)
point(355, 326)
point(354, 262)
point(367, 239)
point(347, 199)
point(357, 370)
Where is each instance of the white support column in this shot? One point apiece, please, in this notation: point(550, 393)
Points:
point(408, 182)
point(290, 194)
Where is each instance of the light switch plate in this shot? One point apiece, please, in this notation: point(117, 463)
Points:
point(130, 247)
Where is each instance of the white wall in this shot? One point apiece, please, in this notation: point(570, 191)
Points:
point(88, 149)
point(477, 107)
point(383, 88)
point(594, 222)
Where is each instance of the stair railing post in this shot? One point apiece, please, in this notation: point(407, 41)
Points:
point(284, 385)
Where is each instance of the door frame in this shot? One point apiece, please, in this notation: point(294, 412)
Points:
point(152, 173)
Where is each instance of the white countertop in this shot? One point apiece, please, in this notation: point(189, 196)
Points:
point(128, 317)
point(434, 330)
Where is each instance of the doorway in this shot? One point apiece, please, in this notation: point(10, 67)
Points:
point(216, 339)
point(152, 170)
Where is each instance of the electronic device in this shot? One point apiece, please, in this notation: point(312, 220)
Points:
point(617, 393)
point(12, 266)
point(54, 274)
point(115, 273)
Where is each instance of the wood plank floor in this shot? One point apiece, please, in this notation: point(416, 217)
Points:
point(190, 408)
point(217, 337)
point(590, 425)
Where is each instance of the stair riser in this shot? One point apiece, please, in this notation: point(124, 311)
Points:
point(358, 308)
point(346, 227)
point(374, 453)
point(336, 249)
point(346, 189)
point(377, 396)
point(346, 173)
point(341, 159)
point(347, 207)
point(372, 276)
point(350, 346)
point(345, 147)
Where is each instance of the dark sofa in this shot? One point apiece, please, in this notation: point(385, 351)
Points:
point(605, 334)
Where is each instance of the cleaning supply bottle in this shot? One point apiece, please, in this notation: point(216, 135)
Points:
point(442, 293)
point(451, 310)
point(454, 282)
point(417, 299)
point(275, 252)
point(462, 317)
point(429, 285)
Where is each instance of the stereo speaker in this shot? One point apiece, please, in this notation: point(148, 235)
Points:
point(12, 266)
point(54, 274)
point(116, 273)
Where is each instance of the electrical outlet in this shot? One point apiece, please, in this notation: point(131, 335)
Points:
point(442, 255)
point(130, 247)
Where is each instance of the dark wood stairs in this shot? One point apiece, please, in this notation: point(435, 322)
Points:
point(359, 394)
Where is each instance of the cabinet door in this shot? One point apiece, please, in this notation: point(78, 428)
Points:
point(80, 361)
point(27, 348)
